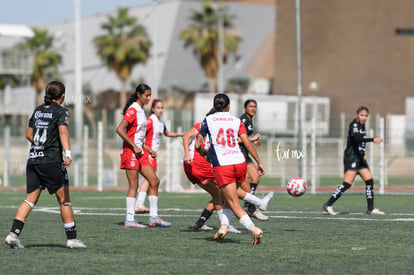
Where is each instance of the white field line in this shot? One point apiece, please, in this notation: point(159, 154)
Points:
point(195, 212)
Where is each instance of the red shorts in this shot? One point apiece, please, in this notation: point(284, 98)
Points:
point(199, 175)
point(230, 173)
point(129, 160)
point(153, 161)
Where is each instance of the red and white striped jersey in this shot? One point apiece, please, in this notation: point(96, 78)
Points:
point(136, 129)
point(155, 129)
point(223, 129)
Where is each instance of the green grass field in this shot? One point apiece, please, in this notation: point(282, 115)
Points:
point(299, 238)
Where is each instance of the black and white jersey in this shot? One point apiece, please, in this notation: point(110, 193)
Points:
point(249, 128)
point(356, 142)
point(46, 146)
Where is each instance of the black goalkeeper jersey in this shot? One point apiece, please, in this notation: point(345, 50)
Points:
point(356, 142)
point(46, 146)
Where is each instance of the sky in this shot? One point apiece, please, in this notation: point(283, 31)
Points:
point(44, 12)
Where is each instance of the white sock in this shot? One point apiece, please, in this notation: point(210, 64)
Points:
point(253, 199)
point(228, 213)
point(130, 205)
point(153, 205)
point(141, 198)
point(222, 217)
point(247, 222)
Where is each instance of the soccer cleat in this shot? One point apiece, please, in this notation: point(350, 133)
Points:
point(134, 224)
point(329, 209)
point(258, 215)
point(141, 209)
point(75, 243)
point(267, 199)
point(157, 221)
point(13, 241)
point(375, 211)
point(257, 235)
point(232, 229)
point(221, 233)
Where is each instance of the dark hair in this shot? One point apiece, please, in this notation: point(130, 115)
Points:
point(212, 111)
point(54, 90)
point(141, 88)
point(154, 102)
point(362, 108)
point(221, 101)
point(248, 101)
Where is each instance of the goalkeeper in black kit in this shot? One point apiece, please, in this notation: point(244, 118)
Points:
point(355, 163)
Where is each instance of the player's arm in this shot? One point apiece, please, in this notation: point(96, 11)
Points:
point(250, 148)
point(150, 151)
point(198, 147)
point(29, 134)
point(120, 130)
point(65, 141)
point(186, 143)
point(358, 138)
point(173, 134)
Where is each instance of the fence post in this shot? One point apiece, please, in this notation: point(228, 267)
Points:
point(100, 156)
point(85, 154)
point(313, 154)
point(381, 163)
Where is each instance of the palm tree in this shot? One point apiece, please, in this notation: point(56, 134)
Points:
point(125, 44)
point(45, 61)
point(202, 36)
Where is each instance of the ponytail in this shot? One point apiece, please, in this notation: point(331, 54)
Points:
point(54, 90)
point(221, 101)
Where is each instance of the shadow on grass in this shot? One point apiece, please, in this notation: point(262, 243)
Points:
point(46, 246)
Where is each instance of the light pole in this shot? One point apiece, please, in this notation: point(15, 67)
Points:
point(299, 85)
point(220, 23)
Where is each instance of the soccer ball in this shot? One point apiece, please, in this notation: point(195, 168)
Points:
point(296, 187)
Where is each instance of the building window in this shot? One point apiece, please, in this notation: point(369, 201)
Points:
point(404, 31)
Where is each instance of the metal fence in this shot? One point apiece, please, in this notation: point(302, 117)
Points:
point(98, 165)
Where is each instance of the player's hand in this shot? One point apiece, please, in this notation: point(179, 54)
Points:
point(377, 140)
point(138, 151)
point(260, 169)
point(187, 160)
point(153, 153)
point(67, 162)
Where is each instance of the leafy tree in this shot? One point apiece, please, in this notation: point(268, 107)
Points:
point(125, 44)
point(202, 36)
point(45, 62)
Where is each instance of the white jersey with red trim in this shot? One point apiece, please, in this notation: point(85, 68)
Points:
point(223, 129)
point(155, 130)
point(136, 129)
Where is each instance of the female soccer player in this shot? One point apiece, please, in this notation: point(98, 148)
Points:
point(155, 129)
point(228, 161)
point(250, 109)
point(49, 138)
point(199, 171)
point(355, 163)
point(132, 130)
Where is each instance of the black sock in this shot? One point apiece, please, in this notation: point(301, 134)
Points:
point(338, 193)
point(253, 187)
point(71, 232)
point(17, 227)
point(369, 193)
point(205, 215)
